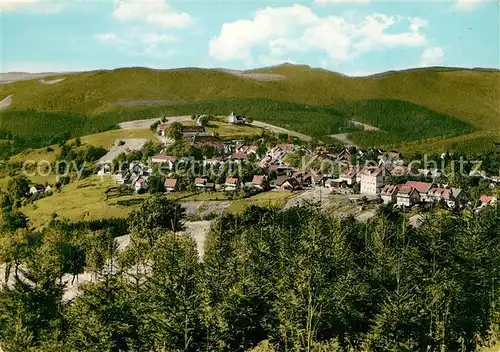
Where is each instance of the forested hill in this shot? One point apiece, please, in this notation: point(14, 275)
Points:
point(292, 280)
point(441, 107)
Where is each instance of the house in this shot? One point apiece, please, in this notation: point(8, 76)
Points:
point(372, 180)
point(36, 189)
point(140, 184)
point(334, 183)
point(202, 142)
point(161, 129)
point(210, 186)
point(247, 149)
point(214, 161)
point(453, 197)
point(265, 162)
point(422, 188)
point(349, 175)
point(231, 184)
point(487, 200)
point(170, 185)
point(389, 194)
point(318, 179)
point(401, 171)
point(407, 196)
point(287, 183)
point(259, 182)
point(192, 131)
point(200, 182)
point(238, 156)
point(304, 178)
point(235, 119)
point(168, 160)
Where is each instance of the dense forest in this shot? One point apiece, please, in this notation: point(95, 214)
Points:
point(269, 280)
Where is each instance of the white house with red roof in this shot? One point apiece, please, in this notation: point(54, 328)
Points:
point(423, 189)
point(141, 184)
point(407, 196)
point(259, 181)
point(487, 200)
point(200, 182)
point(349, 175)
point(170, 185)
point(232, 183)
point(389, 193)
point(161, 158)
point(452, 196)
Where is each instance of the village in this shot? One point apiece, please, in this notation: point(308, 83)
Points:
point(243, 167)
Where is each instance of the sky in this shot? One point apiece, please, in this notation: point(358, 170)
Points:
point(356, 37)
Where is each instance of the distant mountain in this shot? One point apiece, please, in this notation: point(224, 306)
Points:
point(467, 95)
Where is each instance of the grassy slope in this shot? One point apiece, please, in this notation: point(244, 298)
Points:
point(83, 200)
point(266, 199)
point(469, 96)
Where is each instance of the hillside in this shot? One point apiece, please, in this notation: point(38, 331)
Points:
point(442, 102)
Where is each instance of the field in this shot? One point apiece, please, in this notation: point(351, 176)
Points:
point(48, 153)
point(83, 200)
point(265, 199)
point(106, 139)
point(412, 107)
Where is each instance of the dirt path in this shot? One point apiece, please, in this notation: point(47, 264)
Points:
point(344, 138)
point(116, 149)
point(277, 129)
point(147, 123)
point(6, 102)
point(365, 126)
point(53, 81)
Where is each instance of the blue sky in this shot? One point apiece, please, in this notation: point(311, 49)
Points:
point(353, 37)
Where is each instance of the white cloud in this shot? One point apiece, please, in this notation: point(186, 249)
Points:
point(36, 6)
point(432, 56)
point(108, 37)
point(155, 12)
point(467, 4)
point(155, 38)
point(281, 31)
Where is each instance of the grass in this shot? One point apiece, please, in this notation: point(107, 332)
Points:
point(198, 197)
point(265, 199)
point(425, 103)
point(228, 130)
point(49, 154)
point(82, 200)
point(107, 139)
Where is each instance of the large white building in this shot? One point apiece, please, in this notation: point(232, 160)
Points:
point(372, 180)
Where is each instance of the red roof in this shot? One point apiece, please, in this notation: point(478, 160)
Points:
point(200, 180)
point(389, 190)
point(238, 156)
point(486, 199)
point(162, 127)
point(421, 187)
point(258, 180)
point(165, 157)
point(232, 180)
point(371, 171)
point(400, 170)
point(170, 183)
point(140, 180)
point(350, 172)
point(440, 192)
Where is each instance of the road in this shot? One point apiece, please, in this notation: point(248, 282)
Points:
point(277, 129)
point(147, 123)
